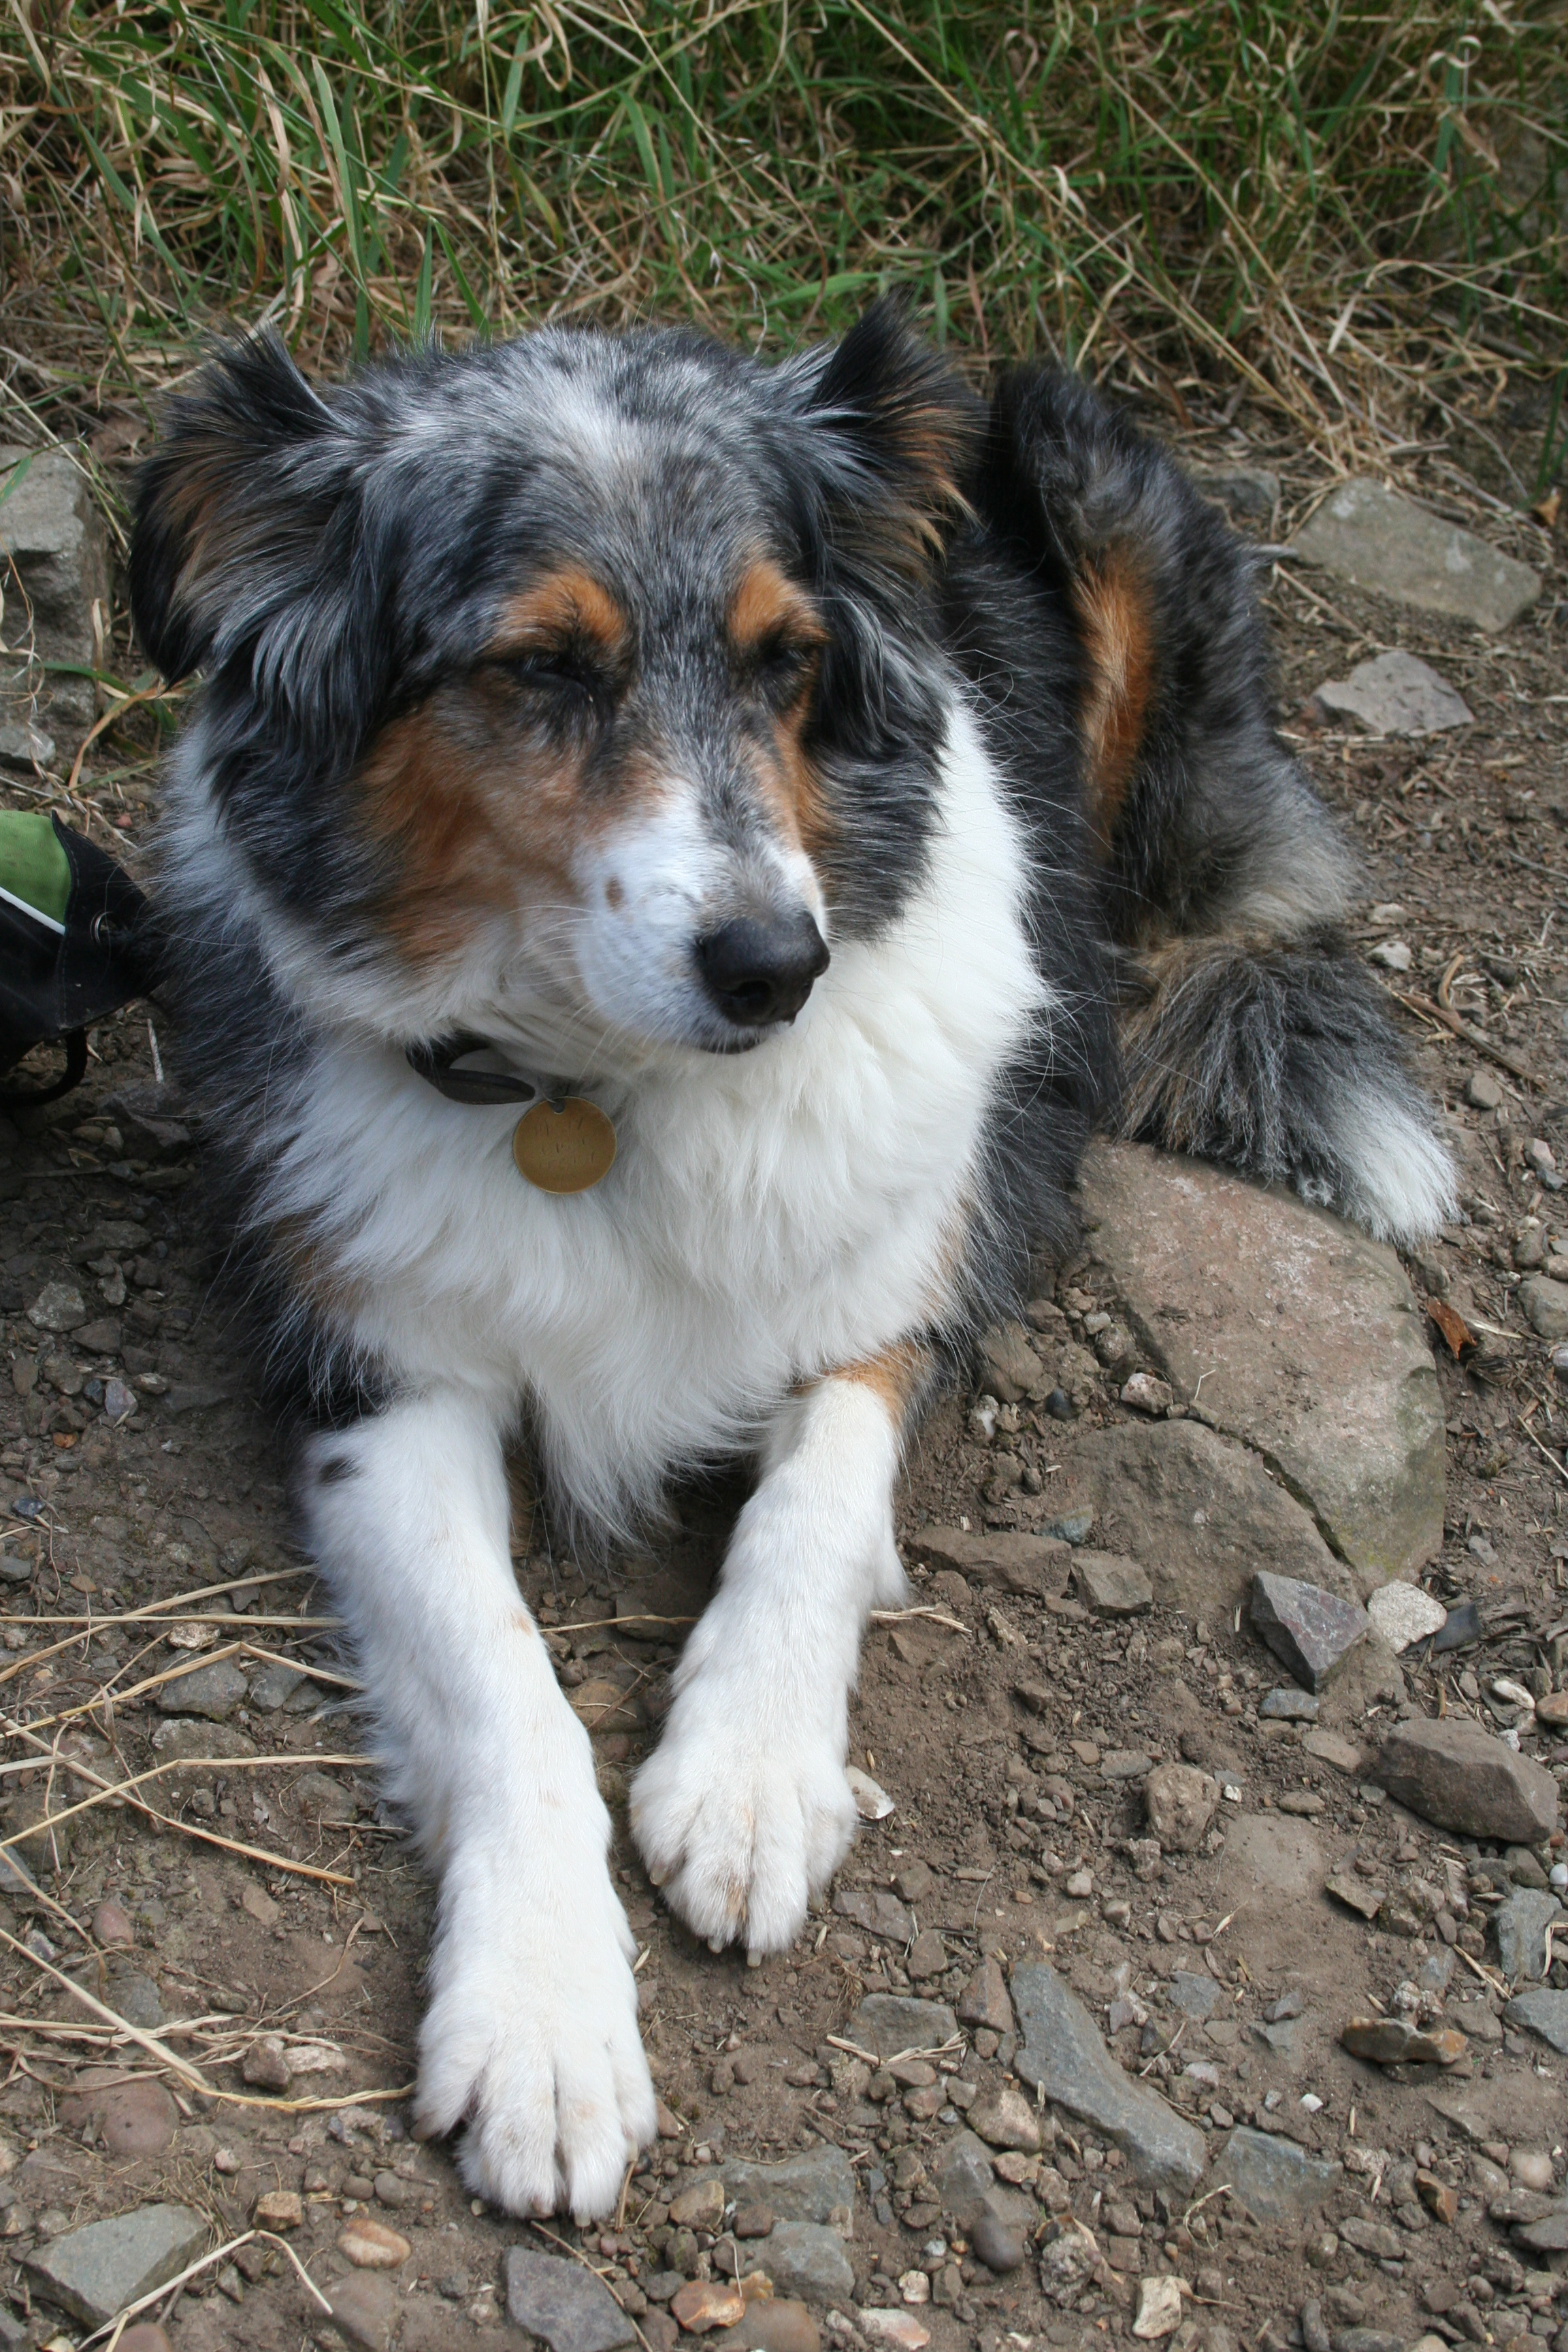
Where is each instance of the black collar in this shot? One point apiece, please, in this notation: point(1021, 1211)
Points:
point(441, 1063)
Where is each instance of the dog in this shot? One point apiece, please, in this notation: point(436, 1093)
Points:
point(671, 857)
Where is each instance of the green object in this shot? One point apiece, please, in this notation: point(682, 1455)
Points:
point(33, 866)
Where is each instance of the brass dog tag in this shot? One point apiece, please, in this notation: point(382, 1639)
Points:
point(565, 1151)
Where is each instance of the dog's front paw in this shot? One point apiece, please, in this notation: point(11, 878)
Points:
point(531, 2042)
point(741, 1818)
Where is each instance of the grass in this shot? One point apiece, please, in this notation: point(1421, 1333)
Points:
point(1348, 214)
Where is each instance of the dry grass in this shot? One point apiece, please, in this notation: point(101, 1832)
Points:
point(1350, 216)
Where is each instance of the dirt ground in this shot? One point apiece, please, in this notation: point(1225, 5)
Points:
point(263, 1890)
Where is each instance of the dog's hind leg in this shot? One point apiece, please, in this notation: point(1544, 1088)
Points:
point(530, 2039)
point(743, 1812)
point(1252, 1032)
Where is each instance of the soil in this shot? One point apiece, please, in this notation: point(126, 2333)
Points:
point(268, 1891)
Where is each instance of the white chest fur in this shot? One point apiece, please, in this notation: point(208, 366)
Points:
point(768, 1216)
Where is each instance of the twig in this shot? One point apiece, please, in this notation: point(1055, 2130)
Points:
point(936, 1616)
point(1546, 1454)
point(1446, 1016)
point(127, 1788)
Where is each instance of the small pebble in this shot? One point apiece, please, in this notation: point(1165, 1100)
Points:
point(1001, 2249)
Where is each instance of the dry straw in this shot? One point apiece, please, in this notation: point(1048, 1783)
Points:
point(1352, 213)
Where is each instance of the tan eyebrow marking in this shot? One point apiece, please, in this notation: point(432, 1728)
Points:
point(569, 602)
point(766, 605)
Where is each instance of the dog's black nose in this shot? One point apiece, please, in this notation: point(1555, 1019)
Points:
point(760, 969)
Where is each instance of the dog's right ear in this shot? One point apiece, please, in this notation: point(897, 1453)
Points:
point(248, 538)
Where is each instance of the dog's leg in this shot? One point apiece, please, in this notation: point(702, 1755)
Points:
point(743, 1813)
point(530, 2038)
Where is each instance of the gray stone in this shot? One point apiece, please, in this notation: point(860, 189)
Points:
point(1000, 2248)
point(1403, 1614)
point(59, 1307)
point(1542, 2012)
point(1368, 2339)
point(1304, 1335)
point(1113, 1587)
point(1288, 1706)
point(889, 2025)
point(1544, 1304)
point(24, 748)
point(801, 2189)
point(1064, 2056)
point(1547, 2236)
point(1198, 1510)
point(1014, 1563)
point(1247, 493)
point(214, 1691)
point(963, 2176)
point(803, 2259)
point(1458, 1776)
point(573, 2310)
point(879, 1913)
point(1194, 1996)
point(93, 2273)
point(1275, 2179)
point(274, 1686)
point(135, 1997)
point(1376, 538)
point(1522, 1923)
point(1310, 1632)
point(1180, 1801)
point(205, 1747)
point(1395, 694)
point(53, 534)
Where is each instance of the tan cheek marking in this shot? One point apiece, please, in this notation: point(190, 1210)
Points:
point(614, 896)
point(465, 840)
point(1114, 613)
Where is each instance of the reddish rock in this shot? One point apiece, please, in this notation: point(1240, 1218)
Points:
point(702, 2305)
point(370, 2245)
point(1180, 1801)
point(139, 2119)
point(111, 1927)
point(279, 2209)
point(1437, 2197)
point(1389, 2042)
point(985, 2001)
point(1458, 1776)
point(780, 2326)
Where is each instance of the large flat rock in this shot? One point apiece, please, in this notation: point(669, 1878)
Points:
point(96, 2271)
point(1453, 1772)
point(52, 539)
point(1294, 1332)
point(1064, 2056)
point(1199, 1511)
point(1376, 538)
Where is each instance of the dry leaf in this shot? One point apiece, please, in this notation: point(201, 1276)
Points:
point(1452, 1325)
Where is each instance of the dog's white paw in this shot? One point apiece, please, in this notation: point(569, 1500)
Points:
point(531, 2042)
point(740, 1818)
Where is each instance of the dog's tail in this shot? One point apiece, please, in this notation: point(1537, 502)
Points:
point(1251, 1032)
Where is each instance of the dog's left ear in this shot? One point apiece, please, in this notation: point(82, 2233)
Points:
point(895, 425)
point(252, 548)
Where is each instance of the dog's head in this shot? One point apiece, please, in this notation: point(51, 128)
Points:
point(578, 681)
